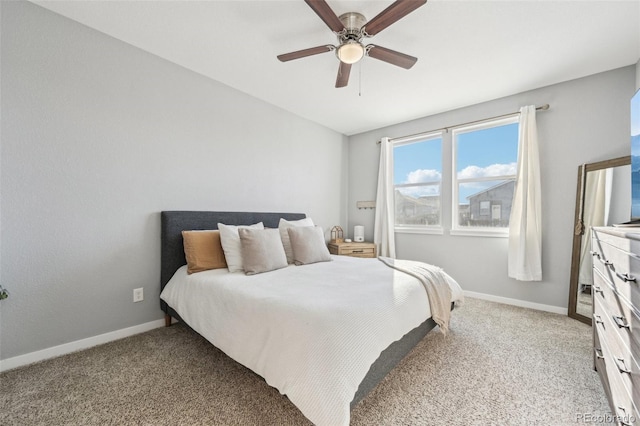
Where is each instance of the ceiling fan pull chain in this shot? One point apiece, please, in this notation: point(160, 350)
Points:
point(360, 79)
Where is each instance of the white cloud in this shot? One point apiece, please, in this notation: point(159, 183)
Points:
point(423, 175)
point(472, 172)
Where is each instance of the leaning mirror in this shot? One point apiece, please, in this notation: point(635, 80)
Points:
point(603, 198)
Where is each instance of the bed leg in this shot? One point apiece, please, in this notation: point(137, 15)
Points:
point(167, 320)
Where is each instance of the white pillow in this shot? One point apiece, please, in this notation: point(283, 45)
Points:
point(284, 235)
point(232, 246)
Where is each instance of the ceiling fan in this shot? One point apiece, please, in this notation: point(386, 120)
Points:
point(351, 28)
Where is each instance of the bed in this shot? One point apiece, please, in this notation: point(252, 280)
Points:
point(323, 395)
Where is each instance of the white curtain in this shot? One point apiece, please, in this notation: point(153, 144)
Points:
point(383, 232)
point(525, 224)
point(609, 195)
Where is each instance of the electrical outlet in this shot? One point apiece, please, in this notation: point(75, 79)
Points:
point(138, 294)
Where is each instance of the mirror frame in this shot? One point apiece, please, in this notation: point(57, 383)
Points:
point(578, 230)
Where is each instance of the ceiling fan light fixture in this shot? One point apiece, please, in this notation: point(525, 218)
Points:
point(350, 52)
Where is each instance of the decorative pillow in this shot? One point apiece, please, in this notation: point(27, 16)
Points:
point(284, 235)
point(231, 244)
point(203, 251)
point(262, 250)
point(308, 245)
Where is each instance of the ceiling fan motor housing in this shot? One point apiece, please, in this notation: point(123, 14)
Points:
point(352, 22)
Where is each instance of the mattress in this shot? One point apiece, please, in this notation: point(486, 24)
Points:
point(310, 331)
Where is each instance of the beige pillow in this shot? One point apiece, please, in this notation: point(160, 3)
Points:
point(283, 225)
point(231, 244)
point(262, 250)
point(308, 245)
point(203, 251)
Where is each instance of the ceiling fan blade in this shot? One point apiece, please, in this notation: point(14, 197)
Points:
point(304, 53)
point(326, 14)
point(343, 75)
point(398, 10)
point(391, 56)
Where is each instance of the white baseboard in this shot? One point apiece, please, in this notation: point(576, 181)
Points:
point(20, 360)
point(517, 302)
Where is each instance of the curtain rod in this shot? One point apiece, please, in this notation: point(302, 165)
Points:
point(540, 108)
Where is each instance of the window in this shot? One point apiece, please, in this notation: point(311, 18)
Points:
point(485, 163)
point(417, 177)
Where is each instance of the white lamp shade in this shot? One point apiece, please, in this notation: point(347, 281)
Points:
point(358, 233)
point(350, 52)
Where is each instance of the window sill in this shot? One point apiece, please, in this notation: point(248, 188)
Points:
point(475, 232)
point(432, 230)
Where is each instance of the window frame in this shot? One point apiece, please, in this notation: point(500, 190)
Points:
point(456, 229)
point(407, 140)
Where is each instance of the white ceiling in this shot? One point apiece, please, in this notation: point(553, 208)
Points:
point(469, 51)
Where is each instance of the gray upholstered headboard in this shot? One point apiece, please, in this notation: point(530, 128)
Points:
point(174, 222)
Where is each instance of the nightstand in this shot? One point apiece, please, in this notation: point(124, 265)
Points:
point(353, 249)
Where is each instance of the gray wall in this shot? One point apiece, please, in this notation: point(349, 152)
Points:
point(97, 138)
point(588, 121)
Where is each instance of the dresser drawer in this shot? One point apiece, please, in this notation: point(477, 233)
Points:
point(615, 259)
point(623, 317)
point(619, 356)
point(621, 403)
point(620, 399)
point(353, 249)
point(364, 251)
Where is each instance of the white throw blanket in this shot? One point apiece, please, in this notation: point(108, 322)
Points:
point(434, 282)
point(311, 331)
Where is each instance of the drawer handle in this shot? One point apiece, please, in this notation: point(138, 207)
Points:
point(620, 321)
point(626, 277)
point(595, 254)
point(598, 319)
point(598, 289)
point(598, 352)
point(606, 262)
point(357, 251)
point(622, 366)
point(624, 419)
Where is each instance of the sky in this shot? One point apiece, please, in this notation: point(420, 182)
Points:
point(488, 152)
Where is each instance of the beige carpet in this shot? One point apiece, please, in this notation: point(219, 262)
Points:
point(500, 365)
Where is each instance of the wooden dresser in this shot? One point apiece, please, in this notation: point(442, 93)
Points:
point(353, 249)
point(616, 318)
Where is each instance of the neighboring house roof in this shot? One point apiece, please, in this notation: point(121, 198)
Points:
point(427, 199)
point(507, 182)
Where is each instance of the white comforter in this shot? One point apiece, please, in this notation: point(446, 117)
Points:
point(311, 331)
